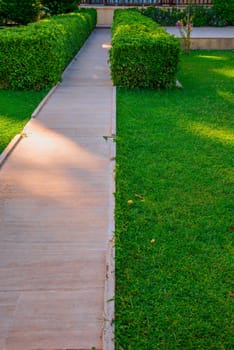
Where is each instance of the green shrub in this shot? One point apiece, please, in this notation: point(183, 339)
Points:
point(34, 57)
point(201, 16)
point(20, 11)
point(1, 14)
point(60, 6)
point(164, 16)
point(143, 55)
point(225, 9)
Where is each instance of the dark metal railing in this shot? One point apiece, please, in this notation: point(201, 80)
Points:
point(145, 2)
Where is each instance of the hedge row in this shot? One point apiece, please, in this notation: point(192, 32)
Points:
point(143, 55)
point(201, 16)
point(34, 56)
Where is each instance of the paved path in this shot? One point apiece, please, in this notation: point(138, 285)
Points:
point(56, 214)
point(206, 32)
point(209, 38)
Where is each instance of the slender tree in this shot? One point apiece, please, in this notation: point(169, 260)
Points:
point(185, 27)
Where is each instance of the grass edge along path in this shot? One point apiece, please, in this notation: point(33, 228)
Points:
point(174, 211)
point(16, 108)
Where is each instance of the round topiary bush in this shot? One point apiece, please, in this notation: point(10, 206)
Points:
point(20, 11)
point(225, 9)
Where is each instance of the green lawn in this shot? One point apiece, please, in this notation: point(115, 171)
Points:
point(16, 108)
point(174, 210)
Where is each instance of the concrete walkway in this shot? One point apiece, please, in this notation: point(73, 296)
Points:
point(206, 32)
point(56, 214)
point(209, 38)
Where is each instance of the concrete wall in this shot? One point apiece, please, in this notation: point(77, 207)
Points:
point(212, 43)
point(105, 14)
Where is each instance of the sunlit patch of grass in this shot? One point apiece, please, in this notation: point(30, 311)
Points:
point(226, 95)
point(226, 72)
point(174, 211)
point(212, 57)
point(16, 108)
point(207, 131)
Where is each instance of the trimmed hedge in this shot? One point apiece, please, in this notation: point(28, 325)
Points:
point(35, 56)
point(143, 55)
point(201, 16)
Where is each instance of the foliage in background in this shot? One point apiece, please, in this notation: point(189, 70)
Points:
point(60, 6)
point(1, 14)
point(225, 9)
point(35, 56)
point(142, 53)
point(174, 211)
point(201, 16)
point(20, 11)
point(16, 108)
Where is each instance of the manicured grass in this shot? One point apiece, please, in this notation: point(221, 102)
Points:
point(16, 108)
point(174, 211)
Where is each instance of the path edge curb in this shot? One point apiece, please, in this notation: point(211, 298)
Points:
point(109, 292)
point(44, 100)
point(52, 90)
point(9, 148)
point(16, 139)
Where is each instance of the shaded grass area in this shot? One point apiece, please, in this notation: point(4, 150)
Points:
point(16, 108)
point(174, 210)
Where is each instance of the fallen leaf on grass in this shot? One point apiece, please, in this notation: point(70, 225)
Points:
point(140, 197)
